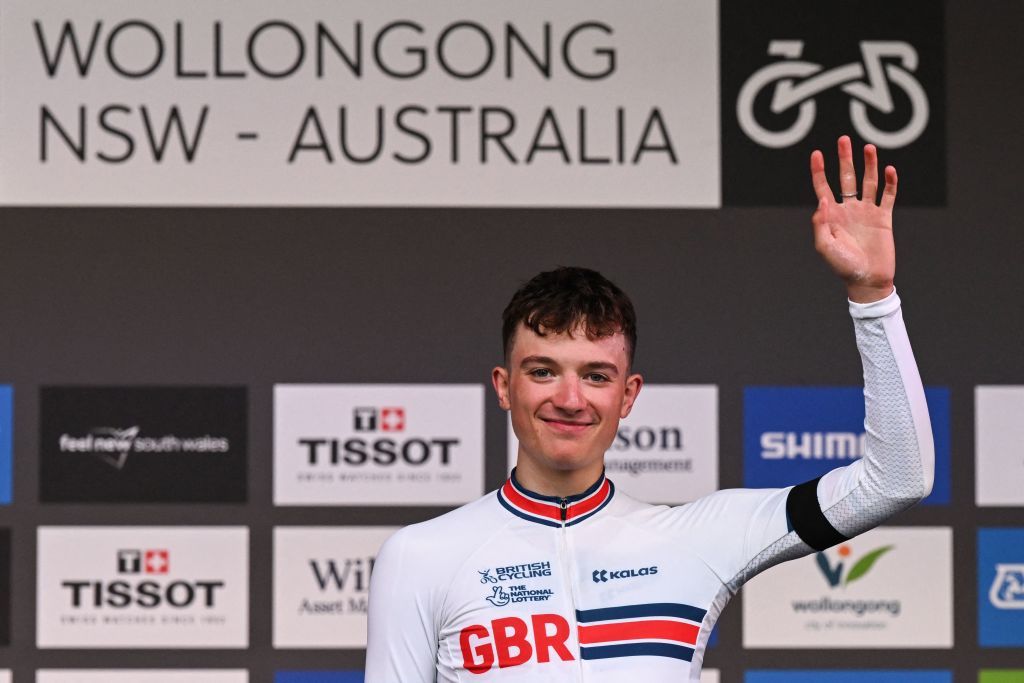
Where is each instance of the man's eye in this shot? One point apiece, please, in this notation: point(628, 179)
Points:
point(597, 377)
point(540, 372)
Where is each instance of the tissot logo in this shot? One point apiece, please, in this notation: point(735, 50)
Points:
point(100, 587)
point(143, 444)
point(390, 419)
point(321, 597)
point(395, 444)
point(790, 84)
point(794, 434)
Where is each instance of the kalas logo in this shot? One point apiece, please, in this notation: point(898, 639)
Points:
point(113, 446)
point(1007, 591)
point(390, 419)
point(147, 593)
point(834, 574)
point(383, 451)
point(604, 576)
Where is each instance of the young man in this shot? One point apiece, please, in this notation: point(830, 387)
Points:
point(556, 576)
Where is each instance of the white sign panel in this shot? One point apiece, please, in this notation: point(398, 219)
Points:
point(383, 444)
point(888, 588)
point(321, 584)
point(5, 676)
point(366, 102)
point(709, 676)
point(143, 587)
point(999, 452)
point(666, 451)
point(141, 676)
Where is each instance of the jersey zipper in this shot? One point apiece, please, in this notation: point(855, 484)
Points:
point(569, 570)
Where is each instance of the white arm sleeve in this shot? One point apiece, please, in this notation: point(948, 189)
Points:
point(402, 645)
point(898, 466)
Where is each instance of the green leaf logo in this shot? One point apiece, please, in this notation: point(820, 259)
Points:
point(865, 564)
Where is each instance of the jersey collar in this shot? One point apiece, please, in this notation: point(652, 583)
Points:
point(552, 510)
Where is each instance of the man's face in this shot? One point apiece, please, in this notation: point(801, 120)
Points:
point(566, 394)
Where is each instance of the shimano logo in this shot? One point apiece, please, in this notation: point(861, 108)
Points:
point(604, 575)
point(1007, 591)
point(812, 445)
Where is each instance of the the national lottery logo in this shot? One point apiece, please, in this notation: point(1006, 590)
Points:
point(387, 419)
point(501, 596)
point(1007, 591)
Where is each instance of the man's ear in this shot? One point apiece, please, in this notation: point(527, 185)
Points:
point(634, 383)
point(499, 378)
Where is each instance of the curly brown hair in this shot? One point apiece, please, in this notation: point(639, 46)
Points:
point(568, 298)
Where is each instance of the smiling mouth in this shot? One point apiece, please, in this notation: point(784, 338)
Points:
point(567, 425)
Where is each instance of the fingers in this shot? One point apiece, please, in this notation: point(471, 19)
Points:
point(818, 179)
point(870, 185)
point(889, 193)
point(847, 174)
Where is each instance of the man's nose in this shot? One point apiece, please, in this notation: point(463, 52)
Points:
point(570, 395)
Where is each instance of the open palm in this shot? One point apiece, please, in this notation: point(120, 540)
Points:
point(854, 236)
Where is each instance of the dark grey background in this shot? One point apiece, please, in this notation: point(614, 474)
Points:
point(733, 297)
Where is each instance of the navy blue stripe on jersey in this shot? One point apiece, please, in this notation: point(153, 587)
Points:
point(611, 494)
point(529, 518)
point(637, 650)
point(653, 609)
point(804, 515)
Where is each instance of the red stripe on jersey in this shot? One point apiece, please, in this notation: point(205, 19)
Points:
point(639, 630)
point(527, 505)
point(590, 504)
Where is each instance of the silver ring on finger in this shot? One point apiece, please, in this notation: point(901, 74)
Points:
point(846, 195)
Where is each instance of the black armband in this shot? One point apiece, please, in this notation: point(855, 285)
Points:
point(807, 519)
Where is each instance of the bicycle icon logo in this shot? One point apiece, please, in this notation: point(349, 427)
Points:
point(868, 83)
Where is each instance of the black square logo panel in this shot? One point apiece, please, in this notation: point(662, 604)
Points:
point(143, 444)
point(797, 74)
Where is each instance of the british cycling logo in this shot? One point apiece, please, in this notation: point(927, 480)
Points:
point(515, 572)
point(500, 597)
point(1007, 591)
point(793, 83)
point(836, 577)
point(604, 576)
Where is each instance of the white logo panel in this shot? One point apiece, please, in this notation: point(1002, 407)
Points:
point(143, 587)
point(999, 445)
point(378, 444)
point(321, 584)
point(666, 451)
point(367, 102)
point(709, 676)
point(141, 676)
point(5, 676)
point(891, 587)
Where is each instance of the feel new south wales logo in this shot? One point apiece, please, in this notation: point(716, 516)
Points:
point(840, 572)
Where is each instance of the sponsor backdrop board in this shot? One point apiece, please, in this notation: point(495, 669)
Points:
point(143, 444)
point(859, 676)
point(1001, 587)
point(586, 102)
point(1001, 676)
point(6, 441)
point(791, 82)
point(5, 676)
point(891, 587)
point(795, 434)
point(385, 444)
point(321, 584)
point(5, 587)
point(142, 676)
point(666, 451)
point(999, 445)
point(143, 587)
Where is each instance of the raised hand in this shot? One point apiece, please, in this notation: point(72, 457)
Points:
point(854, 236)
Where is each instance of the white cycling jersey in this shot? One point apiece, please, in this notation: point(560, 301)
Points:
point(518, 586)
